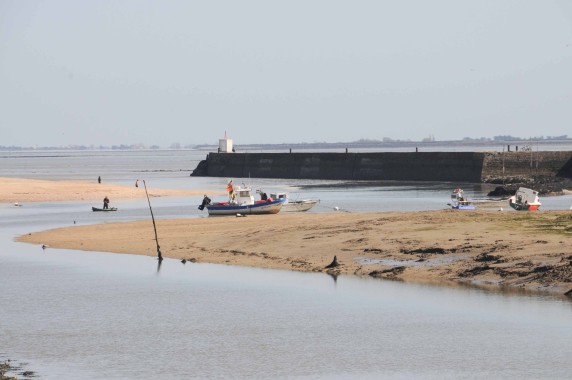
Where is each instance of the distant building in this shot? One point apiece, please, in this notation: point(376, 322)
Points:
point(225, 145)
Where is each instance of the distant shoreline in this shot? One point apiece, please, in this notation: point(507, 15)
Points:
point(20, 191)
point(378, 145)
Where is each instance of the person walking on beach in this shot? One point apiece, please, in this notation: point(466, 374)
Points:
point(105, 203)
point(99, 179)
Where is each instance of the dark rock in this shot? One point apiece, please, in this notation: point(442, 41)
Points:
point(485, 257)
point(541, 269)
point(474, 271)
point(388, 272)
point(333, 264)
point(501, 191)
point(545, 185)
point(432, 250)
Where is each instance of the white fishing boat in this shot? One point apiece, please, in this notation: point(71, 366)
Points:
point(525, 200)
point(459, 201)
point(295, 205)
point(241, 202)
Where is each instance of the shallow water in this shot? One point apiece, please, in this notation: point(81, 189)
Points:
point(87, 315)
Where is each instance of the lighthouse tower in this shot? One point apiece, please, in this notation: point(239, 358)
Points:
point(225, 145)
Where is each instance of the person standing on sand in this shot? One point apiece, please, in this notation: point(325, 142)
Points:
point(99, 179)
point(105, 203)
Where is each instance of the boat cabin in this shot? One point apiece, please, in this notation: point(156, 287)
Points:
point(242, 195)
point(527, 196)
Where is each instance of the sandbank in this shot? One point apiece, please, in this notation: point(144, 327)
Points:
point(20, 190)
point(499, 249)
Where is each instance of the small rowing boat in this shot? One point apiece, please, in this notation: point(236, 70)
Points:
point(104, 209)
point(295, 205)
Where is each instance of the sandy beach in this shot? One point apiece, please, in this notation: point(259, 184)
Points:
point(18, 190)
point(517, 250)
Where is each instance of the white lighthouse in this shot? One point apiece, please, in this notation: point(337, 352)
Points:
point(225, 145)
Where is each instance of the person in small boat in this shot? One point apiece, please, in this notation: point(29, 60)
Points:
point(206, 202)
point(263, 196)
point(106, 202)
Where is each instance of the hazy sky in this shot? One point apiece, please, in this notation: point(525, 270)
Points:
point(163, 71)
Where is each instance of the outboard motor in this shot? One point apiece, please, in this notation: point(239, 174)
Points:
point(206, 202)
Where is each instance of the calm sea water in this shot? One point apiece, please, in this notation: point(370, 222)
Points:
point(90, 315)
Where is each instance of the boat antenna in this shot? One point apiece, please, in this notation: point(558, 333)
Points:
point(159, 256)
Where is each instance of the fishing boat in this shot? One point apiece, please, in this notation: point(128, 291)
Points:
point(459, 201)
point(104, 209)
point(241, 202)
point(525, 200)
point(295, 205)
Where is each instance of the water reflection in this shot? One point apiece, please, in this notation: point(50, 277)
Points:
point(102, 316)
point(334, 277)
point(159, 263)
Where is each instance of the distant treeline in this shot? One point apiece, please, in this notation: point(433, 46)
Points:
point(81, 147)
point(512, 138)
point(362, 143)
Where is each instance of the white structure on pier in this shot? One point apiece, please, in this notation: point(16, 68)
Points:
point(225, 145)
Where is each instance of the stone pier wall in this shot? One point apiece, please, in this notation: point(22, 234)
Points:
point(410, 166)
point(526, 164)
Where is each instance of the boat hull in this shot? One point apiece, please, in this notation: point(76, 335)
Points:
point(104, 209)
point(299, 206)
point(524, 207)
point(464, 207)
point(260, 207)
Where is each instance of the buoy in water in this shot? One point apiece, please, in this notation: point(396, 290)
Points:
point(336, 208)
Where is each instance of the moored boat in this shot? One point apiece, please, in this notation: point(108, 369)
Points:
point(460, 202)
point(525, 200)
point(241, 202)
point(104, 209)
point(295, 205)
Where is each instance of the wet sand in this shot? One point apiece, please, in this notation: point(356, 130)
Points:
point(499, 249)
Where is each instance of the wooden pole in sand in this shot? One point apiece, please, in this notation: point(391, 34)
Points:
point(159, 256)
